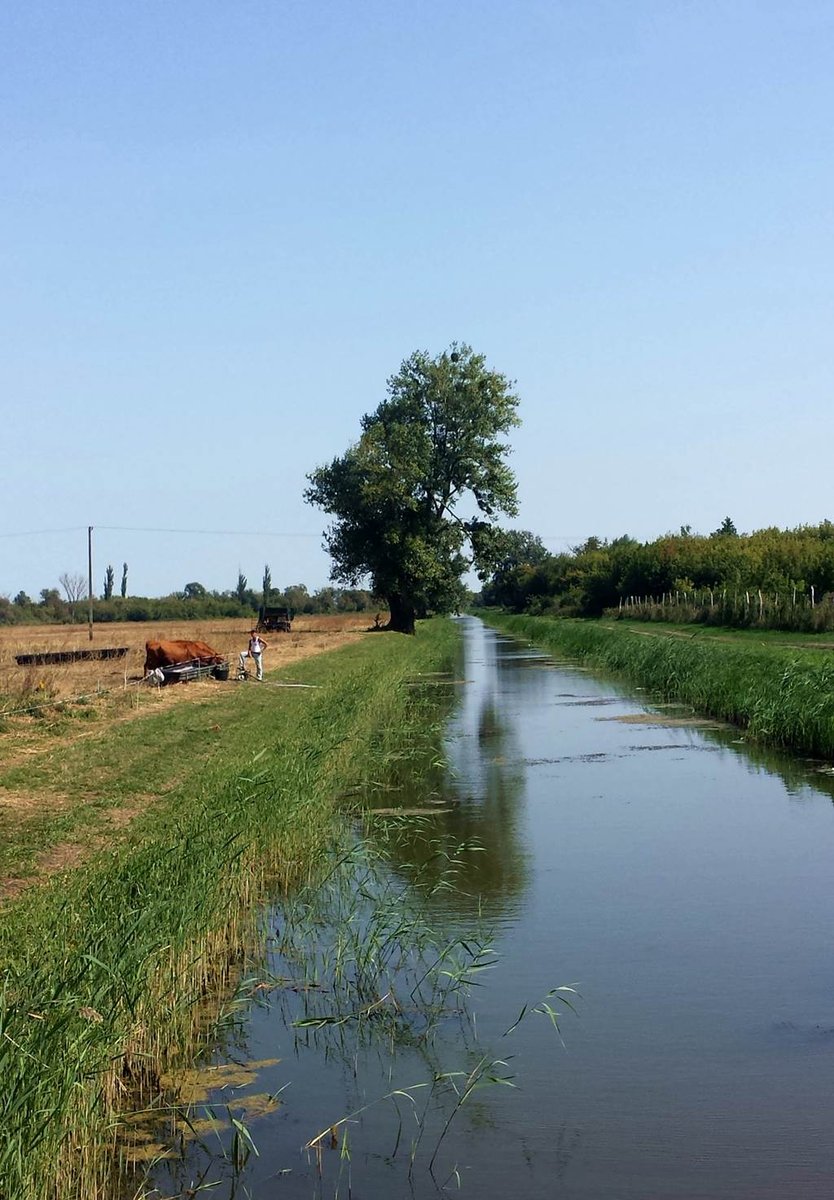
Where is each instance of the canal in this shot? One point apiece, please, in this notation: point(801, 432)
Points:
point(680, 880)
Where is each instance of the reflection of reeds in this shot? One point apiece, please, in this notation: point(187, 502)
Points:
point(106, 973)
point(782, 696)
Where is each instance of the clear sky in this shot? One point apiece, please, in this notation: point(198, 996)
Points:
point(224, 225)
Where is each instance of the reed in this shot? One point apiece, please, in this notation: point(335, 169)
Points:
point(780, 695)
point(107, 971)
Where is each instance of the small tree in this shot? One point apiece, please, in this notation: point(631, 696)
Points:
point(267, 585)
point(297, 598)
point(75, 586)
point(415, 498)
point(124, 580)
point(193, 591)
point(518, 551)
point(21, 600)
point(725, 529)
point(240, 590)
point(109, 581)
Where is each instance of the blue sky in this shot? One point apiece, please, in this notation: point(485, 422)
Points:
point(223, 226)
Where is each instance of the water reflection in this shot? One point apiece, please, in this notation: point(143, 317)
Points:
point(480, 799)
point(804, 778)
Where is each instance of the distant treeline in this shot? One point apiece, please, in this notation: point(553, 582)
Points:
point(193, 603)
point(772, 577)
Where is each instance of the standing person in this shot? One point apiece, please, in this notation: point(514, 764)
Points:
point(255, 651)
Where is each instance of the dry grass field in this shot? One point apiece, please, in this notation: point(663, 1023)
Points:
point(21, 687)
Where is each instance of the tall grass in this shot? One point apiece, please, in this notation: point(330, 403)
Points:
point(106, 972)
point(780, 696)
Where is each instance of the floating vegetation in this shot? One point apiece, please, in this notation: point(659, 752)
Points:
point(665, 722)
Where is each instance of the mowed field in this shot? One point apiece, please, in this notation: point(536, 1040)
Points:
point(19, 686)
point(87, 746)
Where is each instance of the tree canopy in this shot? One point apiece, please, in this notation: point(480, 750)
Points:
point(414, 500)
point(519, 552)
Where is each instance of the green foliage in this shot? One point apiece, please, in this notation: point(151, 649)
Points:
point(725, 529)
point(178, 607)
point(54, 607)
point(124, 581)
point(434, 445)
point(598, 575)
point(518, 552)
point(109, 581)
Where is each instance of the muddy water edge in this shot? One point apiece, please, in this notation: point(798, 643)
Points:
point(579, 835)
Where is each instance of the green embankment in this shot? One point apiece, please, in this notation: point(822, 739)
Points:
point(781, 695)
point(107, 970)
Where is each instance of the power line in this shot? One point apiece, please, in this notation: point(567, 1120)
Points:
point(41, 532)
point(551, 537)
point(149, 529)
point(208, 532)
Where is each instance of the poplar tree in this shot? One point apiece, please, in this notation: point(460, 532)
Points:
point(414, 501)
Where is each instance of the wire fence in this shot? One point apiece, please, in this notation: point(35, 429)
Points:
point(791, 610)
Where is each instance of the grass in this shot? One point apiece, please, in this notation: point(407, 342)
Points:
point(64, 780)
point(781, 694)
point(762, 637)
point(107, 968)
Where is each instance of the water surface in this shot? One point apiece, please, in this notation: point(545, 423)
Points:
point(681, 881)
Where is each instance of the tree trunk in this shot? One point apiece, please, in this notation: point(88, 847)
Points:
point(402, 615)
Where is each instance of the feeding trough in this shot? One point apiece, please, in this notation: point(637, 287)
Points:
point(49, 658)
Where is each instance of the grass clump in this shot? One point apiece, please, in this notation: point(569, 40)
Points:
point(780, 695)
point(107, 970)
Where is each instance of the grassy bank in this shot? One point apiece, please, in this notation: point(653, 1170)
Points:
point(782, 696)
point(106, 969)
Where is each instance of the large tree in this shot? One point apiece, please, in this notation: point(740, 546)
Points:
point(415, 498)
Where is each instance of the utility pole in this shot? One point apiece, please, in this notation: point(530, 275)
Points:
point(90, 576)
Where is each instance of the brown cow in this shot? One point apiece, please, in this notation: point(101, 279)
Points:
point(168, 654)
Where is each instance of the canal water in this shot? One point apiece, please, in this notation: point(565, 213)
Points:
point(681, 881)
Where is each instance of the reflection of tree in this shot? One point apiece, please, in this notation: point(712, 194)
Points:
point(479, 808)
point(490, 868)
